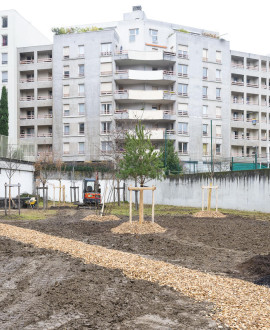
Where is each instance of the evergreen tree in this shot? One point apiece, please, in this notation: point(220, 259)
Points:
point(140, 162)
point(4, 112)
point(170, 159)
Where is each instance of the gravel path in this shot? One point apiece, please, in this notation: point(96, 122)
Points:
point(239, 304)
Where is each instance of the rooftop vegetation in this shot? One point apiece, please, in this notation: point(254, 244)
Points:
point(75, 29)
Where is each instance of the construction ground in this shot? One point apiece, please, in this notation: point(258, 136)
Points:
point(63, 272)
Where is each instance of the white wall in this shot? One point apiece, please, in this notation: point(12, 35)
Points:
point(24, 175)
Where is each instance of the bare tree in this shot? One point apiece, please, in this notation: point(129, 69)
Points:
point(12, 164)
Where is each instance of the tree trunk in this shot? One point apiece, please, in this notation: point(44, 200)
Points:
point(136, 197)
point(118, 192)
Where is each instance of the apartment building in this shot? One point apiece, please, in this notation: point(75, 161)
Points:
point(15, 32)
point(175, 79)
point(35, 104)
point(250, 100)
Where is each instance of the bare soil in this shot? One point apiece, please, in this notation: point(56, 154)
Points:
point(41, 289)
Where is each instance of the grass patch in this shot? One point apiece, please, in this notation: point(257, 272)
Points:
point(29, 214)
point(172, 210)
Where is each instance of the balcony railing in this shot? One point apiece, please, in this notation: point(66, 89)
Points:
point(45, 116)
point(182, 113)
point(27, 61)
point(238, 83)
point(182, 132)
point(239, 137)
point(238, 118)
point(44, 60)
point(26, 80)
point(43, 98)
point(105, 73)
point(238, 65)
point(27, 135)
point(44, 135)
point(182, 75)
point(252, 67)
point(205, 59)
point(181, 55)
point(27, 98)
point(183, 152)
point(106, 53)
point(252, 138)
point(27, 117)
point(252, 85)
point(252, 102)
point(44, 78)
point(238, 101)
point(182, 94)
point(104, 93)
point(264, 86)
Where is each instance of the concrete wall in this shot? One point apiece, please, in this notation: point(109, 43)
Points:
point(245, 190)
point(24, 175)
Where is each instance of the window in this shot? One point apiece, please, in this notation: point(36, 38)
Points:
point(105, 127)
point(182, 109)
point(66, 110)
point(66, 52)
point(66, 71)
point(183, 128)
point(218, 56)
point(81, 89)
point(4, 40)
point(205, 73)
point(4, 22)
point(106, 88)
point(81, 70)
point(106, 146)
point(81, 148)
point(106, 49)
point(81, 128)
point(81, 109)
point(218, 112)
point(218, 75)
point(81, 50)
point(218, 93)
point(106, 108)
point(182, 70)
point(4, 76)
point(205, 111)
point(4, 58)
point(204, 92)
point(218, 130)
point(66, 129)
point(205, 54)
point(182, 147)
point(154, 35)
point(218, 149)
point(205, 129)
point(66, 91)
point(182, 89)
point(132, 34)
point(183, 51)
point(66, 148)
point(106, 69)
point(205, 148)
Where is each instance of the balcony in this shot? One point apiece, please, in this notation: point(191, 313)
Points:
point(164, 115)
point(25, 117)
point(154, 57)
point(44, 97)
point(139, 76)
point(27, 135)
point(27, 61)
point(162, 96)
point(27, 80)
point(45, 60)
point(27, 98)
point(44, 135)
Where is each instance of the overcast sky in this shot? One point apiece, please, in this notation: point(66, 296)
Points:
point(245, 22)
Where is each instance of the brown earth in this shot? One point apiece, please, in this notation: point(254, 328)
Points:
point(43, 289)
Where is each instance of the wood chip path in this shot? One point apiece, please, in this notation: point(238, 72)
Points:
point(239, 304)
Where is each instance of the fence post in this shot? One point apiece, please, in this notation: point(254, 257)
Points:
point(19, 197)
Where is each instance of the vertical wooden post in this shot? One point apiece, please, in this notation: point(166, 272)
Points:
point(5, 199)
point(19, 197)
point(53, 195)
point(130, 206)
point(64, 194)
point(209, 197)
point(202, 198)
point(153, 206)
point(60, 187)
point(141, 207)
point(216, 199)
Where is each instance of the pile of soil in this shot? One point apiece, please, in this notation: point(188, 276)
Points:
point(139, 229)
point(258, 265)
point(100, 218)
point(209, 214)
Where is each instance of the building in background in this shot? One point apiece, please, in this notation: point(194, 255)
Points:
point(83, 92)
point(15, 31)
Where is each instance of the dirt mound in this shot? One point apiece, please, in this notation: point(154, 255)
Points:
point(136, 228)
point(99, 218)
point(264, 281)
point(258, 265)
point(209, 214)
